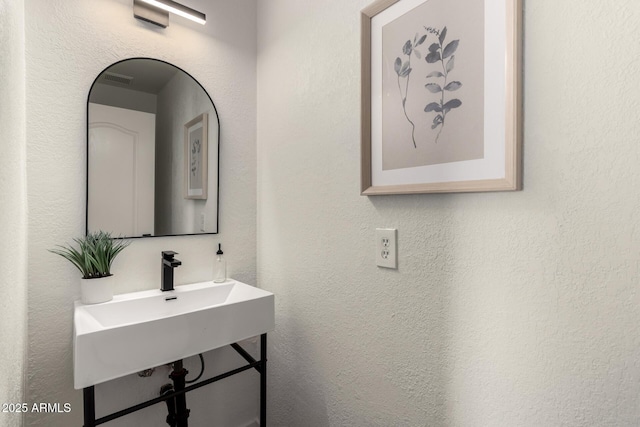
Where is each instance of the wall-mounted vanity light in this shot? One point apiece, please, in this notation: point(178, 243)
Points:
point(157, 12)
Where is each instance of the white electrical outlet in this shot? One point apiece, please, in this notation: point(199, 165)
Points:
point(202, 222)
point(387, 247)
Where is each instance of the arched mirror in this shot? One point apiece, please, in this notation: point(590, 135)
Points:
point(152, 145)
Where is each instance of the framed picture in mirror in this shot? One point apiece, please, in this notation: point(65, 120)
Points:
point(195, 157)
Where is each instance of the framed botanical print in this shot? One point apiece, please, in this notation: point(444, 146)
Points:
point(441, 96)
point(196, 158)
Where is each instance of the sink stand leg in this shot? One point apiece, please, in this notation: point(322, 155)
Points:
point(89, 400)
point(263, 380)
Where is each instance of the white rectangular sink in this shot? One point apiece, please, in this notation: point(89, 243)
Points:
point(141, 330)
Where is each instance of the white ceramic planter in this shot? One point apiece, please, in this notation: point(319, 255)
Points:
point(94, 291)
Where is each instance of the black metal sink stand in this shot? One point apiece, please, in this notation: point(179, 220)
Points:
point(180, 395)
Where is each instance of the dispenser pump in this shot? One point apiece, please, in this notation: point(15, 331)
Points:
point(219, 266)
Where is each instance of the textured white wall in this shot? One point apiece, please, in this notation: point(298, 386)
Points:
point(508, 309)
point(68, 42)
point(13, 209)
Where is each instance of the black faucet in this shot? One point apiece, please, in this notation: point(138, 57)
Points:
point(168, 264)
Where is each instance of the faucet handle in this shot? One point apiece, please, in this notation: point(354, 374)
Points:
point(168, 255)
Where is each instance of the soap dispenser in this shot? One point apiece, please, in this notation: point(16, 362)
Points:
point(219, 266)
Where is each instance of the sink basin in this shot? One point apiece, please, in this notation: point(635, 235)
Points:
point(141, 330)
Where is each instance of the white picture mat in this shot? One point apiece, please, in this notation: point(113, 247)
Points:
point(494, 163)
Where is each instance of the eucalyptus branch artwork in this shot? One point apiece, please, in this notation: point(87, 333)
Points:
point(439, 53)
point(403, 70)
point(195, 158)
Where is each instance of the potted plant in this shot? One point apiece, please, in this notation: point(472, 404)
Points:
point(93, 258)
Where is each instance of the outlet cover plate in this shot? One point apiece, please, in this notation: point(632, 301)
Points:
point(387, 247)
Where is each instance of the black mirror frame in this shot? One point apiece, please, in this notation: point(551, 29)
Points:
point(215, 110)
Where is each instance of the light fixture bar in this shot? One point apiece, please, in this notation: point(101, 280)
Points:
point(178, 9)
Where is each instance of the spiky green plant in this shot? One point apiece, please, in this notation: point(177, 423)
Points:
point(95, 254)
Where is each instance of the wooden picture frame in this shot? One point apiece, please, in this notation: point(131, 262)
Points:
point(458, 83)
point(196, 157)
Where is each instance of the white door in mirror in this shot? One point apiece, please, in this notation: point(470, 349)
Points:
point(121, 152)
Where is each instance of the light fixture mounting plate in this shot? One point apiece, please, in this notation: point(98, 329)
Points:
point(151, 14)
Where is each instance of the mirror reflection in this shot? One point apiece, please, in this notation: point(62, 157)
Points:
point(153, 138)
